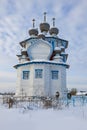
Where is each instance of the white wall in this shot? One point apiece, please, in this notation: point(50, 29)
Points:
point(45, 86)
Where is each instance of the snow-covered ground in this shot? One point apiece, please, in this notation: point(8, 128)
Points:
point(68, 118)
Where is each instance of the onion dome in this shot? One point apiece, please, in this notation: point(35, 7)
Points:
point(54, 30)
point(41, 36)
point(44, 27)
point(33, 31)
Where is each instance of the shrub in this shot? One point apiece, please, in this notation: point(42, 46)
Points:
point(73, 91)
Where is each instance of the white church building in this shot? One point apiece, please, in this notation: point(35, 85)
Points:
point(41, 70)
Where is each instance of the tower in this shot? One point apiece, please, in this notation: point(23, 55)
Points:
point(41, 70)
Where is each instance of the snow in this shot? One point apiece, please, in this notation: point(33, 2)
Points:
point(81, 93)
point(62, 47)
point(41, 60)
point(57, 48)
point(68, 118)
point(7, 90)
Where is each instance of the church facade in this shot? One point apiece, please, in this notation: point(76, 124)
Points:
point(41, 70)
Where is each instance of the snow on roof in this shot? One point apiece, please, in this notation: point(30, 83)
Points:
point(62, 47)
point(42, 61)
point(57, 48)
point(23, 49)
point(81, 93)
point(63, 53)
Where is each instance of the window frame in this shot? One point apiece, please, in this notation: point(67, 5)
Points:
point(38, 73)
point(25, 74)
point(54, 74)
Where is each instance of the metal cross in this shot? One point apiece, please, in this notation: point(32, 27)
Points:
point(33, 23)
point(53, 22)
point(45, 16)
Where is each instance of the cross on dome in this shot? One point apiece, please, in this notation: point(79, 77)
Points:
point(33, 31)
point(33, 23)
point(53, 22)
point(45, 16)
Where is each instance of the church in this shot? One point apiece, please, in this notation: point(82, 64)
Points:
point(41, 70)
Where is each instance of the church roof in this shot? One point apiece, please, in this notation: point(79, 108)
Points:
point(40, 62)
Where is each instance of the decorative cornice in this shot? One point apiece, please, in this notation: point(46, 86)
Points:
point(22, 43)
point(41, 62)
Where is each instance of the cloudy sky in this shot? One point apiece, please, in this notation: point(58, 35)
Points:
point(15, 21)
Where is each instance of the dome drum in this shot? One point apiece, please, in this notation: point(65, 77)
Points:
point(41, 36)
point(24, 53)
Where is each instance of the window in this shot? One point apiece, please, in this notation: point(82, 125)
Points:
point(38, 73)
point(25, 74)
point(54, 74)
